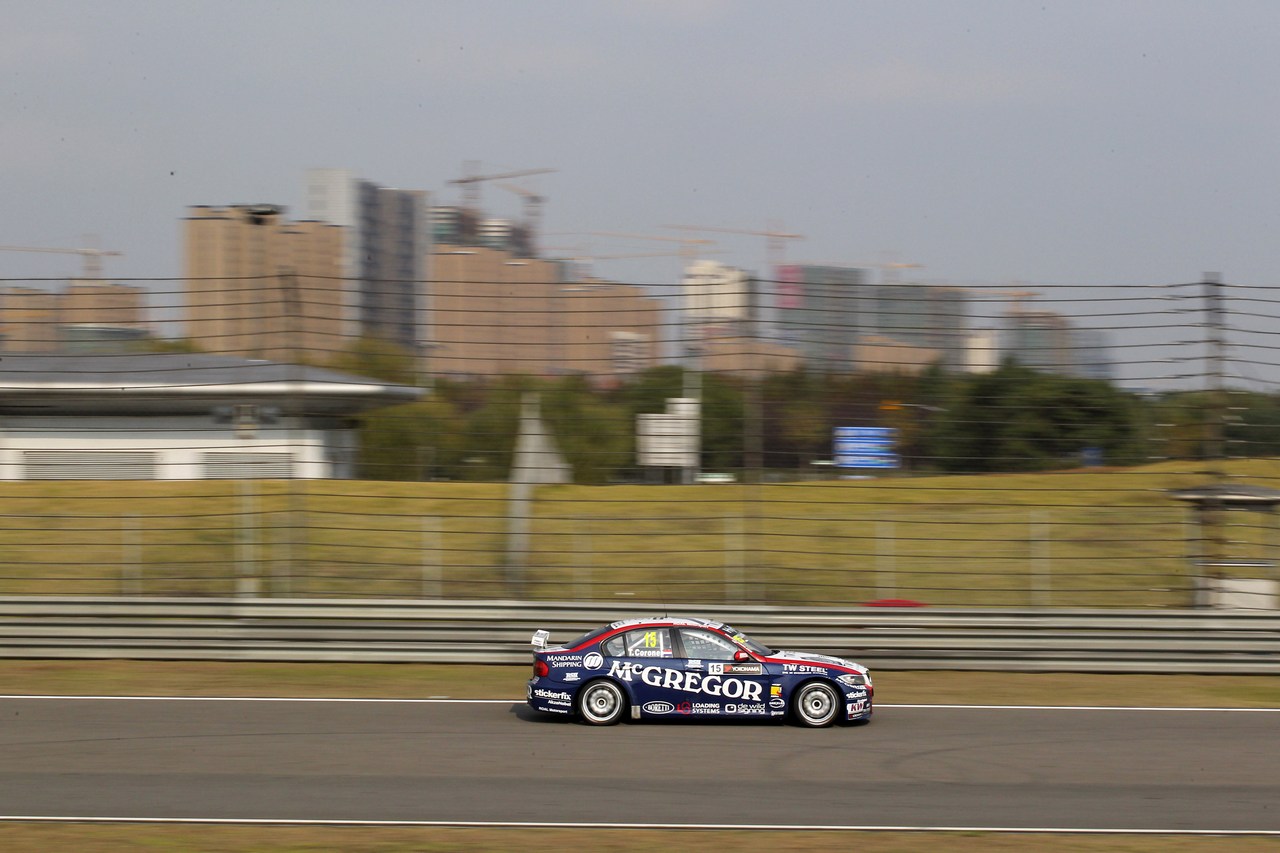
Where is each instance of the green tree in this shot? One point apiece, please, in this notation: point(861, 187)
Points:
point(413, 441)
point(595, 435)
point(1019, 419)
point(378, 359)
point(489, 433)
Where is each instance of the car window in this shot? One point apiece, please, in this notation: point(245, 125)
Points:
point(615, 646)
point(701, 644)
point(648, 643)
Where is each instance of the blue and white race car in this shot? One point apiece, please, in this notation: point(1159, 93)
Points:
point(668, 667)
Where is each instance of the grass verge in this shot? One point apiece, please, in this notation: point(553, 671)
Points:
point(1093, 538)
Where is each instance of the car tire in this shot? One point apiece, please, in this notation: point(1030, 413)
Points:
point(601, 703)
point(816, 705)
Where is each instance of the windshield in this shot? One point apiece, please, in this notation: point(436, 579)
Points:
point(755, 646)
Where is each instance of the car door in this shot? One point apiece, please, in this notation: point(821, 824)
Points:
point(718, 680)
point(644, 659)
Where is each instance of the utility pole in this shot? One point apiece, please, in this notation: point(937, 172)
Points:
point(1215, 411)
point(1212, 512)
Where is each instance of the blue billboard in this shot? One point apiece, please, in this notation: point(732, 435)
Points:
point(866, 447)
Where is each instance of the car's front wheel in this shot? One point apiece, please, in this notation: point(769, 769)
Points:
point(601, 703)
point(816, 705)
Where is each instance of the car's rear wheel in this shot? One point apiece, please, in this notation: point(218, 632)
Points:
point(601, 703)
point(816, 705)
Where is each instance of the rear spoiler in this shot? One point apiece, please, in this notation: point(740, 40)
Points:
point(539, 639)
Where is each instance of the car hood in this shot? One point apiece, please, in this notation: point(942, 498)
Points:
point(810, 657)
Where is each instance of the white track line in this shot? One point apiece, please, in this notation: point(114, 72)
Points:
point(444, 700)
point(429, 701)
point(507, 824)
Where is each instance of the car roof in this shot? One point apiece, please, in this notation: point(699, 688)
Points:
point(683, 621)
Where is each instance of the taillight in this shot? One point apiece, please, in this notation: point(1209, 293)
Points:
point(540, 667)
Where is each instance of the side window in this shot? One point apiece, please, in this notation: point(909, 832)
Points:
point(700, 644)
point(615, 646)
point(648, 643)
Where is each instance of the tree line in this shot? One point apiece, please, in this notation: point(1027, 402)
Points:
point(1013, 419)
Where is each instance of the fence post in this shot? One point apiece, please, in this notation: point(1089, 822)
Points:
point(1041, 560)
point(582, 546)
point(130, 556)
point(734, 581)
point(246, 581)
point(886, 575)
point(432, 574)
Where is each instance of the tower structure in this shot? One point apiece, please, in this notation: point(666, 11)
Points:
point(384, 259)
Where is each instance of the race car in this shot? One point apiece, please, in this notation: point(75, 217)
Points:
point(671, 667)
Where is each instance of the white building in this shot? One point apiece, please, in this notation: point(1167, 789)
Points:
point(715, 293)
point(180, 417)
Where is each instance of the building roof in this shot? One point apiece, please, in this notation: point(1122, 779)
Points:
point(179, 383)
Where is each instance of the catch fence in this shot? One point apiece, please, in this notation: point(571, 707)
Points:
point(814, 437)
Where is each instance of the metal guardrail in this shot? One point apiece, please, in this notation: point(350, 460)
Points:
point(1157, 641)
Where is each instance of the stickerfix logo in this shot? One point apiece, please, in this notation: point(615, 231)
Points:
point(593, 660)
point(657, 707)
point(687, 682)
point(856, 693)
point(550, 694)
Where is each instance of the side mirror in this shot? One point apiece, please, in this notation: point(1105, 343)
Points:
point(740, 655)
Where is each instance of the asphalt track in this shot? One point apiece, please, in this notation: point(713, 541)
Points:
point(1165, 770)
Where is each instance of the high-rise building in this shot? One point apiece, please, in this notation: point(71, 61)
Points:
point(495, 313)
point(85, 316)
point(716, 306)
point(1049, 341)
point(920, 317)
point(715, 293)
point(385, 294)
point(261, 286)
point(841, 322)
point(819, 310)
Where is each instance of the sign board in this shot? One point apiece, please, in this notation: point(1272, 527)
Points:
point(670, 439)
point(866, 447)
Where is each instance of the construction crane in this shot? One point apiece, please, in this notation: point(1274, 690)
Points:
point(776, 247)
point(890, 270)
point(1015, 294)
point(589, 259)
point(689, 246)
point(532, 211)
point(92, 257)
point(471, 183)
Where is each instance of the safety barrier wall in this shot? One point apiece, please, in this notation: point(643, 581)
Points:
point(489, 632)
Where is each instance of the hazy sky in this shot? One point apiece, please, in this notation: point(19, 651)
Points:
point(1089, 143)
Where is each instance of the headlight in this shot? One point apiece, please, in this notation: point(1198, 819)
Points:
point(852, 679)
